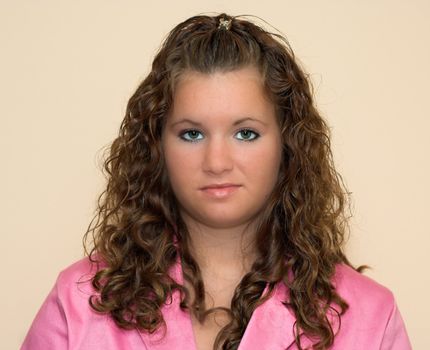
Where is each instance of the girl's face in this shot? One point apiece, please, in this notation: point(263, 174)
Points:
point(222, 147)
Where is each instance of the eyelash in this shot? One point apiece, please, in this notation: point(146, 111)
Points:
point(184, 132)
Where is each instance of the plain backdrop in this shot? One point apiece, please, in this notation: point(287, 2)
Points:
point(68, 68)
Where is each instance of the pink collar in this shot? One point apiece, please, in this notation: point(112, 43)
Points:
point(270, 326)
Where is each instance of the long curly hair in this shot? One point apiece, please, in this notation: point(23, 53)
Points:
point(302, 228)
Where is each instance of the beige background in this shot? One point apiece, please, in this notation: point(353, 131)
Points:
point(68, 68)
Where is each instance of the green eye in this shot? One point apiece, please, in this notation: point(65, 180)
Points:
point(247, 135)
point(190, 135)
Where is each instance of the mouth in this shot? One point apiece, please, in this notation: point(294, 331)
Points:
point(217, 186)
point(219, 191)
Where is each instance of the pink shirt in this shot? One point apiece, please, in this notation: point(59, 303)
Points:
point(66, 321)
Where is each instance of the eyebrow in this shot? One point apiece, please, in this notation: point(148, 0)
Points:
point(237, 122)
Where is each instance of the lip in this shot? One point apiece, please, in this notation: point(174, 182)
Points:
point(224, 185)
point(219, 191)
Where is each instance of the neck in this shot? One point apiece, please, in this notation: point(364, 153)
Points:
point(226, 253)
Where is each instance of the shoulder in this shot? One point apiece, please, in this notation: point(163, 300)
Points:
point(366, 297)
point(78, 270)
point(354, 285)
point(58, 323)
point(372, 320)
point(74, 282)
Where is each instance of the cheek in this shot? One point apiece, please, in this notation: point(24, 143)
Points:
point(180, 165)
point(263, 164)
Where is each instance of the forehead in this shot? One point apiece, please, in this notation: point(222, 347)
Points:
point(233, 93)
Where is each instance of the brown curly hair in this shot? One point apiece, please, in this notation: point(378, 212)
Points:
point(302, 228)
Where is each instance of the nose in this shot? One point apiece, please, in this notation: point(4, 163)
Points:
point(217, 157)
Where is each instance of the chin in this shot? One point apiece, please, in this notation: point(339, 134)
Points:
point(224, 220)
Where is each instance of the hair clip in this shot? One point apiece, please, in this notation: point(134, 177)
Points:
point(224, 23)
